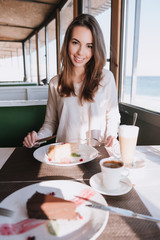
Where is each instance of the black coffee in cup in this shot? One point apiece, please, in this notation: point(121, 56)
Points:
point(112, 164)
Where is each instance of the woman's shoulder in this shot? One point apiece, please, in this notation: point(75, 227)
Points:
point(54, 81)
point(107, 76)
point(107, 73)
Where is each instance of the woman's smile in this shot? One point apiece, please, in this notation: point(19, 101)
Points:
point(78, 59)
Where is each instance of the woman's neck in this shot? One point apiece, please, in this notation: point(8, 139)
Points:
point(78, 75)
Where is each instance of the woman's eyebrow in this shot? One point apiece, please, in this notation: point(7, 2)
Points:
point(75, 39)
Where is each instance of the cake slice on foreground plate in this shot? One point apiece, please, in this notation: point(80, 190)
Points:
point(41, 206)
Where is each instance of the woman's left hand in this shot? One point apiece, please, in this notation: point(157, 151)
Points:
point(109, 141)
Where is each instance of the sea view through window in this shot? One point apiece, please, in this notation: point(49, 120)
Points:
point(141, 59)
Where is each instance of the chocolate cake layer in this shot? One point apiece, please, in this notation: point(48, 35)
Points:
point(41, 206)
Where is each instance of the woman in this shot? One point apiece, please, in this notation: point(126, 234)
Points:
point(82, 99)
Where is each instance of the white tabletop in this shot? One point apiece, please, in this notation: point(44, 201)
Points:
point(145, 178)
point(5, 153)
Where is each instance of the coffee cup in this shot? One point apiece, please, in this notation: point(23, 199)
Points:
point(112, 171)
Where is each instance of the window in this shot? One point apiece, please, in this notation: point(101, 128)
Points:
point(140, 75)
point(42, 53)
point(51, 50)
point(11, 62)
point(27, 60)
point(33, 59)
point(66, 16)
point(101, 10)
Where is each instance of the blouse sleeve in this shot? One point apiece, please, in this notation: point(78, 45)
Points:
point(112, 113)
point(51, 118)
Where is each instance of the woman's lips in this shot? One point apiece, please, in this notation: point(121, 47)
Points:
point(78, 60)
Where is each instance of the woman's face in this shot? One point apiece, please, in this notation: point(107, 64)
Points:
point(80, 47)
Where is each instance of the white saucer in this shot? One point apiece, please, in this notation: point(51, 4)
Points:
point(96, 183)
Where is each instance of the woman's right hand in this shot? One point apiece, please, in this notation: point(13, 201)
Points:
point(30, 139)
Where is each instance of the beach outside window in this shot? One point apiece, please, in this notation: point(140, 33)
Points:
point(140, 74)
point(51, 50)
point(101, 10)
point(66, 16)
point(42, 53)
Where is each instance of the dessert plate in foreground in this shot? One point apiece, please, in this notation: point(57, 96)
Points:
point(89, 224)
point(85, 154)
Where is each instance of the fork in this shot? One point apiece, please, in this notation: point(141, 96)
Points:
point(101, 143)
point(6, 212)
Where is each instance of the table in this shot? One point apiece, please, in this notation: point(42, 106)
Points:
point(19, 169)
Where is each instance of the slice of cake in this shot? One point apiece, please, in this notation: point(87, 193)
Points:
point(41, 206)
point(62, 153)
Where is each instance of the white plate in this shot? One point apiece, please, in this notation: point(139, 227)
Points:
point(87, 153)
point(90, 226)
point(96, 183)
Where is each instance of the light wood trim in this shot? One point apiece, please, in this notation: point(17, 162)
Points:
point(115, 39)
point(37, 51)
point(58, 39)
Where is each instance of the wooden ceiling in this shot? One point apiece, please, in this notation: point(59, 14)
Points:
point(19, 18)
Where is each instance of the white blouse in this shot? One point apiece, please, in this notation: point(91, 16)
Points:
point(76, 122)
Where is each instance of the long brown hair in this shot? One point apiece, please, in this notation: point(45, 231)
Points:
point(93, 69)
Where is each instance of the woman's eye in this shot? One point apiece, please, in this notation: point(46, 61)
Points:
point(74, 42)
point(90, 46)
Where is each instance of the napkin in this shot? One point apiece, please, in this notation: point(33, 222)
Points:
point(114, 150)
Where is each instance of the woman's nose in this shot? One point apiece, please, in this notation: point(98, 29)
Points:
point(81, 50)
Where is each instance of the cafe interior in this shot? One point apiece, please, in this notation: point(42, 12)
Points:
point(31, 37)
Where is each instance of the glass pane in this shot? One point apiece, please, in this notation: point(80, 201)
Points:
point(101, 10)
point(11, 62)
point(129, 51)
point(143, 71)
point(66, 16)
point(52, 50)
point(33, 59)
point(27, 61)
point(42, 54)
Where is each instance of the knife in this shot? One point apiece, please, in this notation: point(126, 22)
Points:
point(120, 211)
point(6, 212)
point(45, 139)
